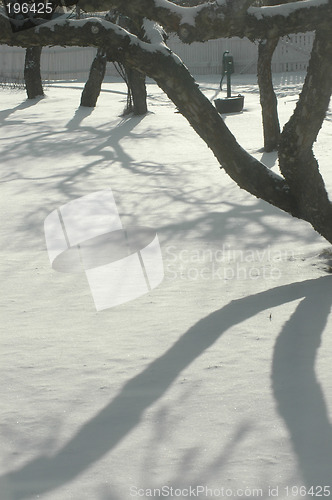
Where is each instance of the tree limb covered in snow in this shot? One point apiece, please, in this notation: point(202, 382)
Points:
point(221, 19)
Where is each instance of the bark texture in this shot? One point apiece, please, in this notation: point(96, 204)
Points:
point(93, 85)
point(32, 76)
point(268, 99)
point(137, 89)
point(296, 159)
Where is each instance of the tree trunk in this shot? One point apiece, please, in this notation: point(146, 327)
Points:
point(32, 76)
point(268, 99)
point(296, 159)
point(92, 87)
point(137, 88)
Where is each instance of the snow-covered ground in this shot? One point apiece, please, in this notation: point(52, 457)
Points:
point(215, 384)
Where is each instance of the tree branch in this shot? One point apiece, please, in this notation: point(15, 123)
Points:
point(219, 19)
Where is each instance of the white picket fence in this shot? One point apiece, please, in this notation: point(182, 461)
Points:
point(73, 63)
point(292, 54)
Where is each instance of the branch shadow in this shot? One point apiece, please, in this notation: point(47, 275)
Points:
point(101, 148)
point(28, 103)
point(111, 425)
point(195, 466)
point(104, 148)
point(298, 394)
point(70, 87)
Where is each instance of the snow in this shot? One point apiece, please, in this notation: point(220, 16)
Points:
point(187, 14)
point(154, 32)
point(217, 383)
point(285, 9)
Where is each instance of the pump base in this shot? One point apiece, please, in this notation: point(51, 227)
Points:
point(229, 104)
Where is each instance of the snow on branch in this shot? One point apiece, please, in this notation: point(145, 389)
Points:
point(88, 32)
point(223, 18)
point(286, 9)
point(226, 18)
point(185, 15)
point(154, 32)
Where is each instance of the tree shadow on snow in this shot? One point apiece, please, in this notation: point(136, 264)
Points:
point(80, 114)
point(298, 394)
point(28, 103)
point(195, 466)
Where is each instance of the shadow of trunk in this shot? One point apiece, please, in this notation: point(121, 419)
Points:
point(293, 377)
point(297, 391)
